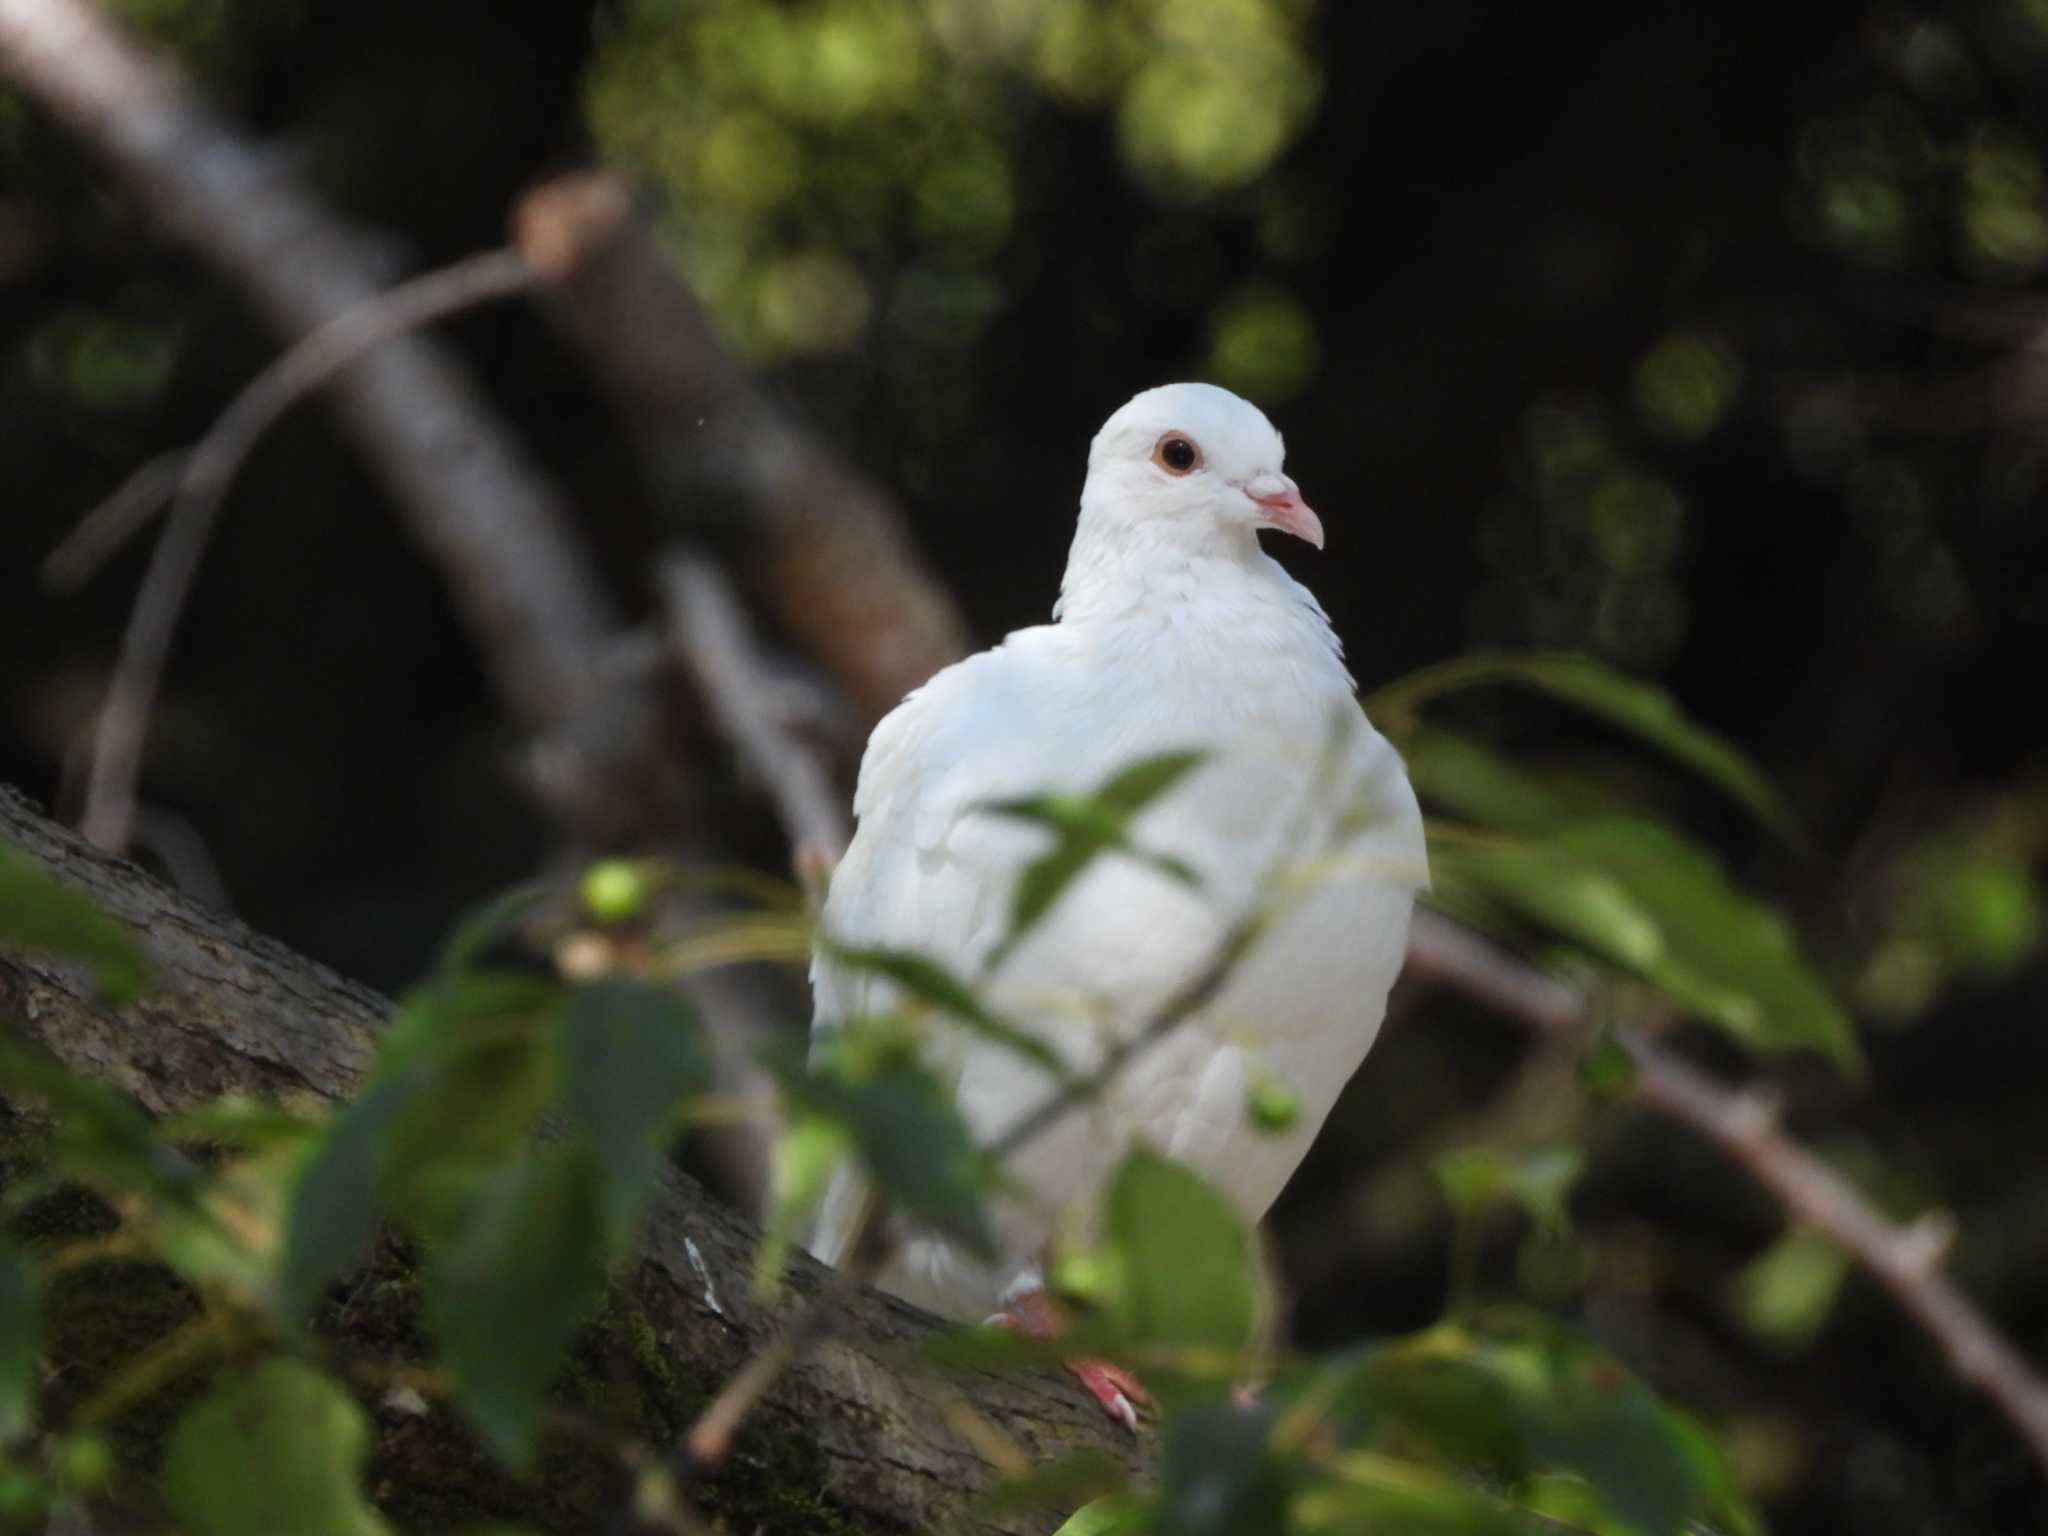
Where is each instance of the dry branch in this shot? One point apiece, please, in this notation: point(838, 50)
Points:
point(823, 545)
point(202, 482)
point(471, 496)
point(236, 1012)
point(709, 634)
point(1905, 1259)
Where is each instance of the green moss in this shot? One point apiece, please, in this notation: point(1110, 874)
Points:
point(427, 1472)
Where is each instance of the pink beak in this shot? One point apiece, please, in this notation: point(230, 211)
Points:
point(1279, 501)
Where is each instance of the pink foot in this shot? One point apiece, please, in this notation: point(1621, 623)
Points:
point(1116, 1389)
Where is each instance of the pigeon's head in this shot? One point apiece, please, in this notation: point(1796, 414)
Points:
point(1192, 458)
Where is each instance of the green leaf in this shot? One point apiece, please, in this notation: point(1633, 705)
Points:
point(507, 1289)
point(1526, 1399)
point(1785, 1294)
point(1646, 712)
point(1219, 1477)
point(1593, 1418)
point(906, 1127)
point(278, 1452)
point(38, 912)
point(629, 1054)
point(1085, 827)
point(1131, 788)
point(20, 1317)
point(932, 983)
point(808, 1154)
point(1645, 898)
point(473, 1052)
point(336, 1201)
point(1184, 1257)
point(1473, 781)
point(1116, 1514)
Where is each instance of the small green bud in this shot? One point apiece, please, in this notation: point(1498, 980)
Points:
point(614, 890)
point(85, 1463)
point(1272, 1105)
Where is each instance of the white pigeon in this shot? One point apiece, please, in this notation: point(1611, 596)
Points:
point(1173, 631)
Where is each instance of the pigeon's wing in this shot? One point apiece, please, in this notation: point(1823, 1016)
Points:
point(927, 870)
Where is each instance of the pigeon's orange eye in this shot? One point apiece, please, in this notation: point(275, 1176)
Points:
point(1177, 455)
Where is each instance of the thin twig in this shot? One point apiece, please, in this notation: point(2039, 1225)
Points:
point(1906, 1259)
point(710, 636)
point(102, 531)
point(485, 513)
point(203, 482)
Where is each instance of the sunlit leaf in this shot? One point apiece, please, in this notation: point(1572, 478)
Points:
point(278, 1452)
point(1644, 711)
point(930, 982)
point(39, 912)
point(1116, 1514)
point(1729, 956)
point(807, 1156)
point(1184, 1257)
point(20, 1317)
point(1785, 1294)
point(1639, 895)
point(1471, 780)
point(507, 1289)
point(629, 1054)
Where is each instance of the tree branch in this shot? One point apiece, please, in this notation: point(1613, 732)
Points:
point(237, 1012)
point(709, 634)
point(823, 545)
point(483, 511)
point(203, 479)
point(1905, 1259)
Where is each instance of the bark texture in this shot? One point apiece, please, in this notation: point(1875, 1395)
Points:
point(860, 1435)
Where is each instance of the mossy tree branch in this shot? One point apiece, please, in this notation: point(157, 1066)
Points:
point(861, 1427)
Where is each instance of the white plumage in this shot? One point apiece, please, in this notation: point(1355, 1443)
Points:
point(1173, 631)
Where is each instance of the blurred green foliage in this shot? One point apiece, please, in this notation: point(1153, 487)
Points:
point(839, 165)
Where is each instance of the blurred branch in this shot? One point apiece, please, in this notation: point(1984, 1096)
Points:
point(100, 534)
point(710, 638)
point(235, 1012)
point(1907, 1260)
point(480, 507)
point(203, 478)
point(823, 546)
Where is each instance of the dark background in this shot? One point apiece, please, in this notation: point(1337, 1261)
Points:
point(1692, 336)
